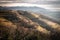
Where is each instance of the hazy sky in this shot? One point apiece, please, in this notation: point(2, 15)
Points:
point(52, 5)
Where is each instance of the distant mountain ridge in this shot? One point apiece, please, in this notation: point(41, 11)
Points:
point(53, 15)
point(35, 9)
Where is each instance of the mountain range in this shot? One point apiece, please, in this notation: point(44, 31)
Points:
point(39, 10)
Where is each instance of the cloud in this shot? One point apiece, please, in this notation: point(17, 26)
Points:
point(52, 5)
point(24, 4)
point(29, 0)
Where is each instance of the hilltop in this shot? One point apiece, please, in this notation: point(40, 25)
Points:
point(23, 25)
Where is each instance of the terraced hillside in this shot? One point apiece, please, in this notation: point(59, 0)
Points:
point(23, 25)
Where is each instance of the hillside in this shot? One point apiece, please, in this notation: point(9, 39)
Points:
point(23, 25)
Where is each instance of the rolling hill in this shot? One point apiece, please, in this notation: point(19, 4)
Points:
point(25, 25)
